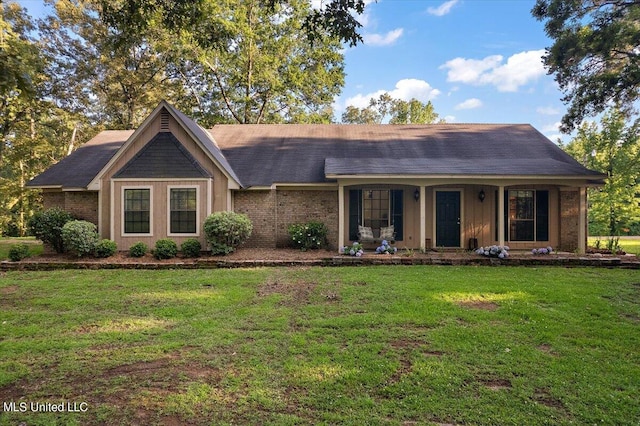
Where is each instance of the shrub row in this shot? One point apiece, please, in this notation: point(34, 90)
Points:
point(224, 232)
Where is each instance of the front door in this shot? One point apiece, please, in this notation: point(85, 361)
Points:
point(447, 218)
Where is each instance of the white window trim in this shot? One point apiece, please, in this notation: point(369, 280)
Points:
point(195, 234)
point(122, 203)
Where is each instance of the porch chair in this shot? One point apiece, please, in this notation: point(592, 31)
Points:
point(365, 235)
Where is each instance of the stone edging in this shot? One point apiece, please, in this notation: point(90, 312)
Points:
point(602, 262)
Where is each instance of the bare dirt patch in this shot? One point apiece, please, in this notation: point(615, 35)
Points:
point(9, 289)
point(295, 293)
point(480, 304)
point(496, 384)
point(543, 397)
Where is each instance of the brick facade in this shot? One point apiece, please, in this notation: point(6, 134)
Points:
point(272, 211)
point(83, 205)
point(569, 220)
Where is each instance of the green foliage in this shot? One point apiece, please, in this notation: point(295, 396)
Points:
point(138, 249)
point(165, 249)
point(311, 235)
point(80, 237)
point(225, 231)
point(106, 248)
point(17, 252)
point(396, 111)
point(191, 248)
point(593, 55)
point(47, 227)
point(614, 150)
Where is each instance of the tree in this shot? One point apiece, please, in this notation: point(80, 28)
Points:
point(207, 28)
point(396, 111)
point(268, 73)
point(595, 56)
point(613, 149)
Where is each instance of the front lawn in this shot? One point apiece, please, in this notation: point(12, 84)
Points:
point(361, 345)
point(35, 246)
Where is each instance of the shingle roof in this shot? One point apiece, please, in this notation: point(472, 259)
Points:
point(263, 154)
point(163, 157)
point(78, 169)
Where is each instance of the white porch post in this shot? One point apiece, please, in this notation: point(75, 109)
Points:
point(423, 219)
point(340, 215)
point(582, 220)
point(500, 213)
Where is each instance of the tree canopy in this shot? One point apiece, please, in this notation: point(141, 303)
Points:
point(612, 148)
point(391, 110)
point(595, 56)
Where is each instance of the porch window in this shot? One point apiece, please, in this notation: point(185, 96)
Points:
point(375, 208)
point(183, 209)
point(137, 211)
point(526, 215)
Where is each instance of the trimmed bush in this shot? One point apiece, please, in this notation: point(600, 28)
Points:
point(311, 235)
point(17, 252)
point(191, 248)
point(139, 249)
point(106, 248)
point(47, 227)
point(165, 249)
point(225, 231)
point(80, 237)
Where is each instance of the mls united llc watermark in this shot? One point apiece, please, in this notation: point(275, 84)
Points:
point(45, 407)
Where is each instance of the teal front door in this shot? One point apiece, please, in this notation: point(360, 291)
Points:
point(447, 218)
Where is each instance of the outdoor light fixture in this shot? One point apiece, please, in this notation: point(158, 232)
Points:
point(416, 194)
point(481, 195)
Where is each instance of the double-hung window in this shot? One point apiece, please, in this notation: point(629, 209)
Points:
point(137, 211)
point(526, 215)
point(183, 210)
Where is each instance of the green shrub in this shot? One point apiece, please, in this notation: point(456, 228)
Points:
point(17, 252)
point(311, 235)
point(106, 248)
point(80, 237)
point(225, 231)
point(139, 249)
point(47, 227)
point(165, 249)
point(191, 248)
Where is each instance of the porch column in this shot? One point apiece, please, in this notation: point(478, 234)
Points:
point(582, 220)
point(340, 215)
point(423, 218)
point(500, 213)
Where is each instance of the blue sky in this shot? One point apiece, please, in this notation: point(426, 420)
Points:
point(477, 61)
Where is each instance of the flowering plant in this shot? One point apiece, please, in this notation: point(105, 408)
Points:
point(543, 250)
point(385, 248)
point(353, 250)
point(501, 252)
point(307, 236)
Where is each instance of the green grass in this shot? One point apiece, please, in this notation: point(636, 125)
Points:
point(35, 246)
point(629, 244)
point(361, 345)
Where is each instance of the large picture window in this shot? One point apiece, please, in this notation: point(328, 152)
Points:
point(137, 211)
point(375, 208)
point(526, 214)
point(183, 209)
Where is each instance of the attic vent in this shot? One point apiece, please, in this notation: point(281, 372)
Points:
point(164, 121)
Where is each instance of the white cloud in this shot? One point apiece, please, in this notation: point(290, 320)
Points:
point(383, 40)
point(405, 89)
point(555, 127)
point(548, 110)
point(443, 9)
point(450, 118)
point(469, 104)
point(520, 69)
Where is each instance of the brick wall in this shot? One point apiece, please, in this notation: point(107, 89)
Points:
point(259, 206)
point(81, 204)
point(273, 211)
point(569, 220)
